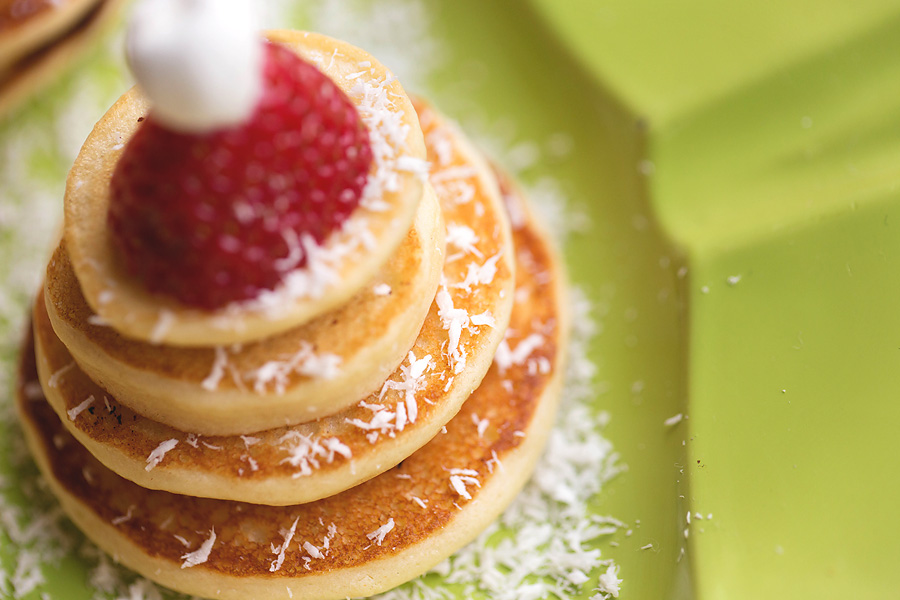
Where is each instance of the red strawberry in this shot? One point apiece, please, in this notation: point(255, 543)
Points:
point(212, 218)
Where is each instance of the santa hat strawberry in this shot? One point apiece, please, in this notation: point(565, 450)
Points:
point(246, 150)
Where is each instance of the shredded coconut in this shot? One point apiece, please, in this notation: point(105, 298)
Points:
point(460, 478)
point(481, 425)
point(126, 517)
point(379, 534)
point(159, 453)
point(55, 378)
point(455, 321)
point(201, 554)
point(506, 357)
point(608, 583)
point(163, 325)
point(305, 453)
point(673, 420)
point(312, 550)
point(288, 535)
point(303, 362)
point(479, 274)
point(74, 412)
point(211, 383)
point(464, 239)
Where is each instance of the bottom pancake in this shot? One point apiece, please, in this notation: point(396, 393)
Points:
point(357, 543)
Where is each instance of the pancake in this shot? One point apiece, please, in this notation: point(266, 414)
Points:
point(311, 371)
point(308, 461)
point(335, 271)
point(39, 38)
point(362, 541)
point(27, 25)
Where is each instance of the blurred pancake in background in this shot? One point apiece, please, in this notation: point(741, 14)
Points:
point(40, 38)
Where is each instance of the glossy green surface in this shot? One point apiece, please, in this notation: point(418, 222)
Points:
point(771, 148)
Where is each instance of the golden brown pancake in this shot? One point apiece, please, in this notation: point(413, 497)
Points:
point(308, 461)
point(364, 540)
point(334, 272)
point(313, 370)
point(39, 38)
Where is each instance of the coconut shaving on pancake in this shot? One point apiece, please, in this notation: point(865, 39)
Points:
point(334, 271)
point(308, 461)
point(313, 370)
point(362, 541)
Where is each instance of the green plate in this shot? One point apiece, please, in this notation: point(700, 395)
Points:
point(770, 141)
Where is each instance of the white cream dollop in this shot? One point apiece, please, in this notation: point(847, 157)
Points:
point(198, 61)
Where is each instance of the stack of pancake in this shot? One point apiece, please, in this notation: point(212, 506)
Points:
point(325, 443)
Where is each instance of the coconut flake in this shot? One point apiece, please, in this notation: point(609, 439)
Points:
point(57, 375)
point(460, 478)
point(379, 534)
point(159, 453)
point(163, 325)
point(288, 535)
point(211, 383)
point(464, 239)
point(608, 584)
point(454, 320)
point(28, 575)
point(413, 375)
point(304, 362)
point(250, 440)
point(305, 452)
point(506, 357)
point(312, 550)
point(201, 554)
point(33, 391)
point(485, 318)
point(481, 425)
point(126, 517)
point(674, 420)
point(74, 412)
point(479, 274)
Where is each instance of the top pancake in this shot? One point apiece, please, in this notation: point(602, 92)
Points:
point(334, 271)
point(360, 542)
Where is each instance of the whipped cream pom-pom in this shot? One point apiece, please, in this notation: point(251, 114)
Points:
point(198, 61)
